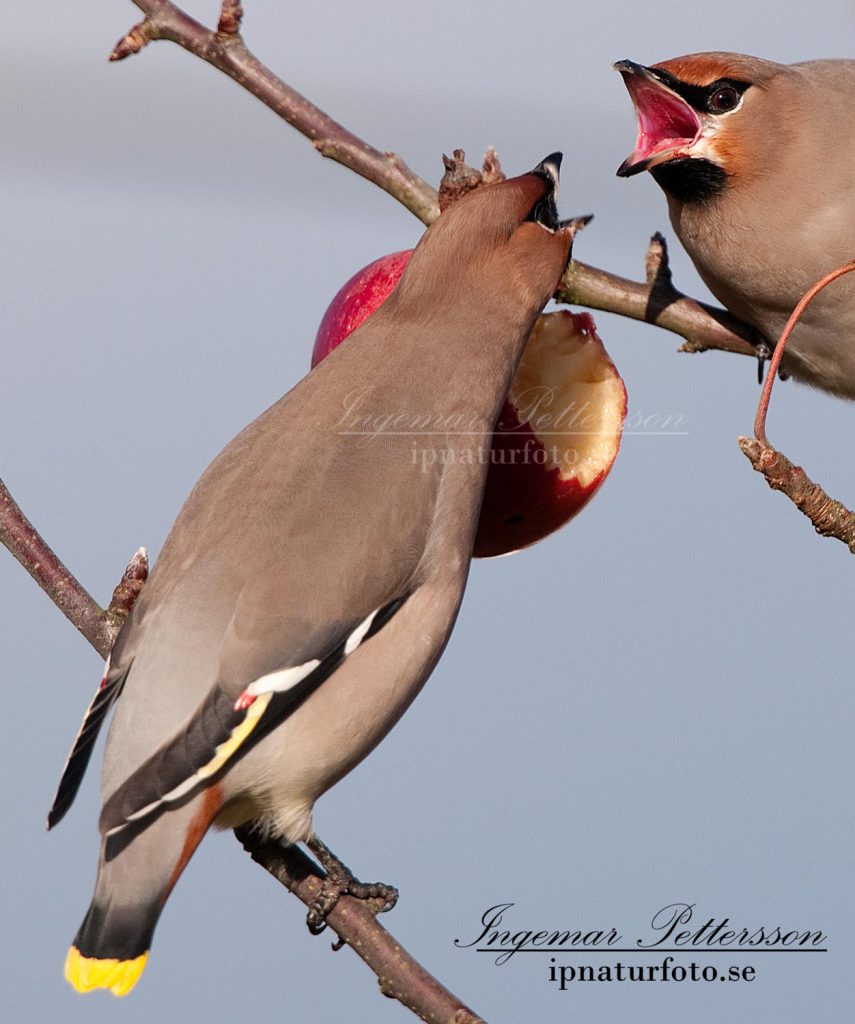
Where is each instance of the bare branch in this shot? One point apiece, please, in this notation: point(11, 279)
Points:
point(19, 535)
point(400, 976)
point(227, 51)
point(829, 517)
point(657, 301)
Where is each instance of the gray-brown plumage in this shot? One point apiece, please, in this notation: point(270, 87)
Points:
point(311, 580)
point(757, 161)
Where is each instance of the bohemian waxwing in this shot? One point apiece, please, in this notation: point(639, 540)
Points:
point(313, 576)
point(756, 160)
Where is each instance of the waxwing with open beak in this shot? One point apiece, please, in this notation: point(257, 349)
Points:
point(757, 161)
point(313, 576)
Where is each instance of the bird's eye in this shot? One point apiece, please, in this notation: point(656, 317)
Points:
point(723, 99)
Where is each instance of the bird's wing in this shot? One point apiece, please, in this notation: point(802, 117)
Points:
point(81, 750)
point(226, 726)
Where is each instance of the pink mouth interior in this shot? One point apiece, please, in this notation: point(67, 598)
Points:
point(665, 121)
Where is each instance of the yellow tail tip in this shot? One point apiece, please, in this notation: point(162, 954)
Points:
point(85, 973)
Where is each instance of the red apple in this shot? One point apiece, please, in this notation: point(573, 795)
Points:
point(357, 299)
point(558, 432)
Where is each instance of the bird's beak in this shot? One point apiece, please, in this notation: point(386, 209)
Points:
point(668, 127)
point(545, 211)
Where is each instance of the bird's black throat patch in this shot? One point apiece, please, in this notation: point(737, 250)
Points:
point(690, 179)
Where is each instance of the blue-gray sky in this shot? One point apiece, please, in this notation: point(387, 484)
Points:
point(653, 706)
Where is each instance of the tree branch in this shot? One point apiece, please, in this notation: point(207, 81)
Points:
point(226, 51)
point(400, 976)
point(98, 625)
point(655, 301)
point(829, 517)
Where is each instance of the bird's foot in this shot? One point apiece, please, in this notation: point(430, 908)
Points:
point(763, 351)
point(339, 881)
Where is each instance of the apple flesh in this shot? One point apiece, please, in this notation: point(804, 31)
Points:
point(556, 437)
point(558, 432)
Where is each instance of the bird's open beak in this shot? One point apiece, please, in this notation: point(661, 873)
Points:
point(668, 127)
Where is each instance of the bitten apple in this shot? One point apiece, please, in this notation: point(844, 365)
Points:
point(559, 430)
point(556, 437)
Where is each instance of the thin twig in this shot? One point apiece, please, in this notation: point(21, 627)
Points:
point(19, 535)
point(657, 301)
point(829, 517)
point(400, 976)
point(227, 51)
point(703, 327)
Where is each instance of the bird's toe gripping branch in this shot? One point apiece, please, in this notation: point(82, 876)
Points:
point(339, 881)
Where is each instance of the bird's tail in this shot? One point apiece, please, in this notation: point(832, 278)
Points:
point(111, 948)
point(135, 877)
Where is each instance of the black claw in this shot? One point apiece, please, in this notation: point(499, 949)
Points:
point(340, 881)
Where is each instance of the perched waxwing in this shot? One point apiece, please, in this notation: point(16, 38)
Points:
point(313, 576)
point(756, 160)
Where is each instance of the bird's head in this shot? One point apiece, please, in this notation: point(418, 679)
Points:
point(702, 121)
point(499, 238)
